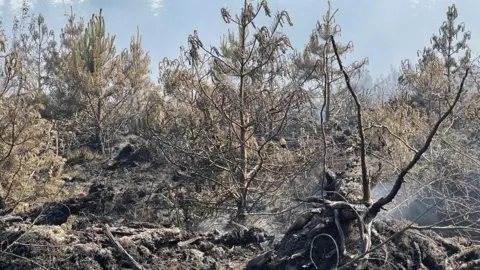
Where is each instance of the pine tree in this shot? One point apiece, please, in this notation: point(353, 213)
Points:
point(451, 44)
point(135, 81)
point(97, 82)
point(229, 96)
point(35, 46)
point(440, 67)
point(27, 146)
point(94, 58)
point(317, 63)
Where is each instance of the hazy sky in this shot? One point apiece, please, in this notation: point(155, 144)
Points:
point(384, 31)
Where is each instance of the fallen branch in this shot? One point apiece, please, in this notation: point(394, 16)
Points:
point(11, 219)
point(343, 249)
point(188, 242)
point(120, 249)
point(26, 259)
point(21, 236)
point(238, 225)
point(468, 252)
point(446, 228)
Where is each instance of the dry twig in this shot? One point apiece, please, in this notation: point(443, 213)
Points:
point(120, 249)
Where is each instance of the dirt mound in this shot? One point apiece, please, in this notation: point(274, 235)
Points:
point(75, 235)
point(57, 247)
point(80, 243)
point(316, 246)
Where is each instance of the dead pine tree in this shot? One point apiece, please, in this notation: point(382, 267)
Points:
point(317, 62)
point(233, 102)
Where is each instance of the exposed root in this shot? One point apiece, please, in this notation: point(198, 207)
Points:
point(417, 258)
point(381, 238)
point(343, 250)
point(336, 249)
point(393, 245)
point(366, 232)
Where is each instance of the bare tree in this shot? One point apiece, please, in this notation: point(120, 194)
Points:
point(374, 207)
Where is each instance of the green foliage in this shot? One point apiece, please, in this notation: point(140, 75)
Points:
point(28, 152)
point(94, 83)
point(436, 76)
point(31, 169)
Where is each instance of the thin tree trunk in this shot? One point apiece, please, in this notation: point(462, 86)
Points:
point(241, 203)
point(99, 139)
point(99, 129)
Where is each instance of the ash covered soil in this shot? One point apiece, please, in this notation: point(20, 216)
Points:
point(104, 230)
point(75, 234)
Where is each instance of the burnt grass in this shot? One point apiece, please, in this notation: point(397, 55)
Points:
point(72, 234)
point(50, 244)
